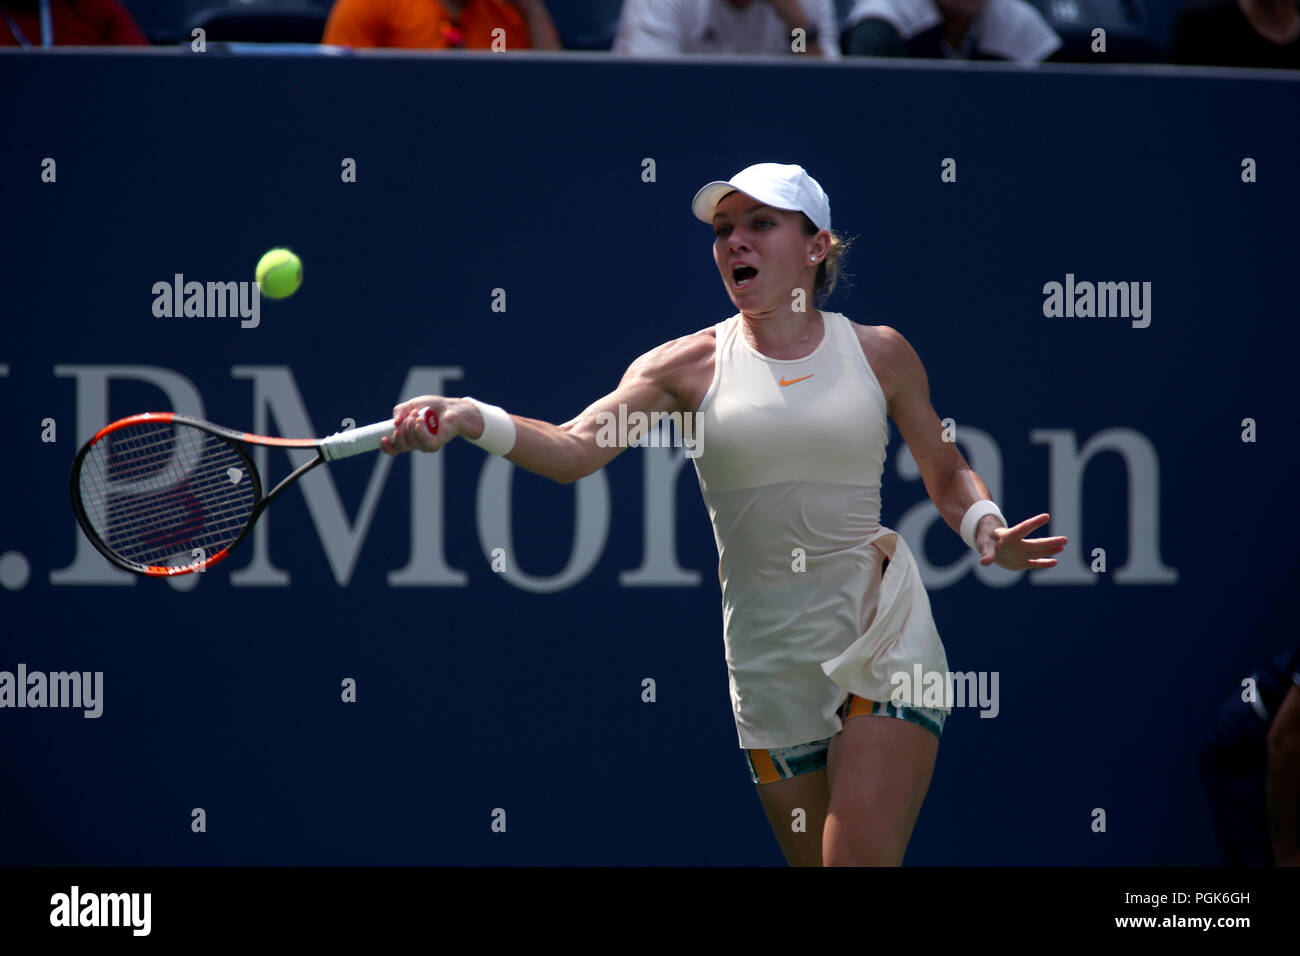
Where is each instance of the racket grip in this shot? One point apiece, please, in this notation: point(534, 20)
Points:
point(358, 441)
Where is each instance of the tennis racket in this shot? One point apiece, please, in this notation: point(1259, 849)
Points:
point(160, 494)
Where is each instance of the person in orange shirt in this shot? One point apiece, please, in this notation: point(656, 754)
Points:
point(441, 24)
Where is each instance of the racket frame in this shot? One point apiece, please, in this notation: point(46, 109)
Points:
point(237, 440)
point(339, 445)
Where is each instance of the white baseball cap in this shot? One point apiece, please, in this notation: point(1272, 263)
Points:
point(777, 185)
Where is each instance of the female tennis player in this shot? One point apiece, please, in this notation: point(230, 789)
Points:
point(823, 609)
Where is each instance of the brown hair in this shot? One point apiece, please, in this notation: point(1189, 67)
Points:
point(828, 270)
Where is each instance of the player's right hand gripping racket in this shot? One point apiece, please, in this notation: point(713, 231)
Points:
point(160, 494)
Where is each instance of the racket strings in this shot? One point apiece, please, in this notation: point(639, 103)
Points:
point(156, 492)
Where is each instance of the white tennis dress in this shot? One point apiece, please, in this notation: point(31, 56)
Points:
point(791, 453)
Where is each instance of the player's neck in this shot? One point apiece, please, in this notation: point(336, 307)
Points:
point(1277, 21)
point(788, 336)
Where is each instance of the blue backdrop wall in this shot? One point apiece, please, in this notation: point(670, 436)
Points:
point(522, 691)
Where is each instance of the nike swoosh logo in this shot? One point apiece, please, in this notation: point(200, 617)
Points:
point(793, 380)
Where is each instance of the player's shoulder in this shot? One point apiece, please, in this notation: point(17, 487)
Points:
point(685, 348)
point(682, 366)
point(699, 340)
point(883, 342)
point(670, 358)
point(892, 358)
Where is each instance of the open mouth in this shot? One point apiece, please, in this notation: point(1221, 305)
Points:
point(742, 276)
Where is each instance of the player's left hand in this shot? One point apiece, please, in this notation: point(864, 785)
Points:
point(1011, 549)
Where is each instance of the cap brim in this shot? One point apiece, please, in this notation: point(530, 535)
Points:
point(706, 200)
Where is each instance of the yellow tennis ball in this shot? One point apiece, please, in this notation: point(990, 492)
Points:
point(279, 273)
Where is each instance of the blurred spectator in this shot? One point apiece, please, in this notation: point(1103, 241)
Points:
point(1250, 764)
point(70, 23)
point(672, 27)
point(1259, 33)
point(963, 29)
point(441, 24)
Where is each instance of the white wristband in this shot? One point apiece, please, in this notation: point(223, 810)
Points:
point(498, 428)
point(972, 518)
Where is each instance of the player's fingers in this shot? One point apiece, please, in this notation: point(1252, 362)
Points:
point(417, 433)
point(415, 426)
point(405, 431)
point(1029, 524)
point(403, 409)
point(423, 430)
point(1036, 548)
point(401, 443)
point(405, 436)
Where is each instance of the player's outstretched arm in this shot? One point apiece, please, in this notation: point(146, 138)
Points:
point(952, 484)
point(564, 452)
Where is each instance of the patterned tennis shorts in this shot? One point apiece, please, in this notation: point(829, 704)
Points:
point(781, 763)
